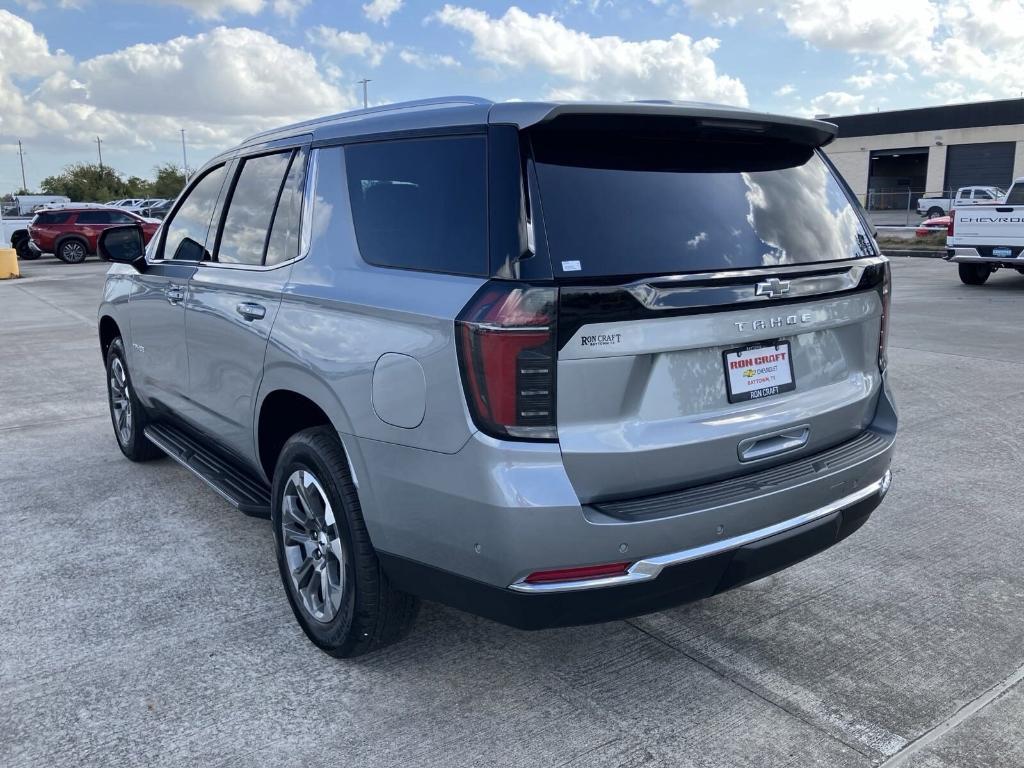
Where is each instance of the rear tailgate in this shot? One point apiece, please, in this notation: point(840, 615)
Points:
point(643, 404)
point(989, 225)
point(690, 255)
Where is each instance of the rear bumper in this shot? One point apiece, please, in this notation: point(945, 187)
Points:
point(466, 528)
point(970, 255)
point(652, 585)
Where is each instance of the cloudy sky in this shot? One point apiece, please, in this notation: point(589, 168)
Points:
point(134, 72)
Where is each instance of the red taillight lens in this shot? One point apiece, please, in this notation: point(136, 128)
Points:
point(577, 574)
point(883, 336)
point(949, 227)
point(506, 341)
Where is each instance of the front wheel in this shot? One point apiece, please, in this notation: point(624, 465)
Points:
point(72, 251)
point(974, 274)
point(335, 584)
point(24, 252)
point(126, 412)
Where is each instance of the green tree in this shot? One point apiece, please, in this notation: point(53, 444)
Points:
point(86, 183)
point(169, 181)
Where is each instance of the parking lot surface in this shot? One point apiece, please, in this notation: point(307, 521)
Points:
point(143, 622)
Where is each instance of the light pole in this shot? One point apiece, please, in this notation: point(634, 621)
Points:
point(99, 151)
point(21, 156)
point(184, 156)
point(364, 81)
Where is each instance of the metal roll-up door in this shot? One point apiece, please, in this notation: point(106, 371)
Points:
point(978, 165)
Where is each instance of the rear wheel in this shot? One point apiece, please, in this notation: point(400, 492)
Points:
point(126, 412)
point(72, 251)
point(934, 212)
point(335, 584)
point(975, 274)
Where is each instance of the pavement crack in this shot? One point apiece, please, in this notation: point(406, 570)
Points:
point(965, 713)
point(771, 702)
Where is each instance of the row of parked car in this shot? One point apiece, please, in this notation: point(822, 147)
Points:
point(154, 207)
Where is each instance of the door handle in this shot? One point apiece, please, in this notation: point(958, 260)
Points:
point(1005, 210)
point(763, 446)
point(251, 311)
point(174, 295)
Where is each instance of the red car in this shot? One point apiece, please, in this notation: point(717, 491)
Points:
point(932, 226)
point(71, 233)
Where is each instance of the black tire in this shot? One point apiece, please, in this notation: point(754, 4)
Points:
point(370, 613)
point(72, 251)
point(25, 253)
point(934, 212)
point(128, 425)
point(974, 274)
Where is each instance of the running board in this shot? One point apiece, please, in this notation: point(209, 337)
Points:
point(246, 493)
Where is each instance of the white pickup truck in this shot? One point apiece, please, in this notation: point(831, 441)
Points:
point(932, 207)
point(984, 238)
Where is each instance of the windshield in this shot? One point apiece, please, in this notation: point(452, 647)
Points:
point(617, 205)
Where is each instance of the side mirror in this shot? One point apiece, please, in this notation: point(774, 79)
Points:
point(123, 245)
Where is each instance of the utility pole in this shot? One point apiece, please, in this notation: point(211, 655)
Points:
point(21, 155)
point(364, 81)
point(99, 151)
point(184, 156)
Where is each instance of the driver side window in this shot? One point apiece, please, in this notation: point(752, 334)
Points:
point(186, 233)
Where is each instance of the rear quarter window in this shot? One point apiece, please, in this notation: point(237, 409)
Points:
point(421, 203)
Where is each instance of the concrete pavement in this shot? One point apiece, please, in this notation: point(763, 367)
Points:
point(143, 622)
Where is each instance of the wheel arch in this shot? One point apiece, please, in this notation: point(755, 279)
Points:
point(108, 330)
point(290, 400)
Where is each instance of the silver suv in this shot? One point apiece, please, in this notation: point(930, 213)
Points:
point(550, 363)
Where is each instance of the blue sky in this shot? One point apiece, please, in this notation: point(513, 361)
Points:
point(136, 72)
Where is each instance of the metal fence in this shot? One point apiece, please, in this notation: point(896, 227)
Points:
point(898, 206)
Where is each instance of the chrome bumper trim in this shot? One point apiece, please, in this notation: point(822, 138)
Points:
point(971, 256)
point(651, 567)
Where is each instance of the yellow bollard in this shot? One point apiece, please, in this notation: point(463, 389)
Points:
point(8, 263)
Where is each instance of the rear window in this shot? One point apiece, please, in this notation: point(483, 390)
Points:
point(421, 203)
point(619, 204)
point(56, 217)
point(1016, 195)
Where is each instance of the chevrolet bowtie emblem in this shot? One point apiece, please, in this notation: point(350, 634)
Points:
point(772, 288)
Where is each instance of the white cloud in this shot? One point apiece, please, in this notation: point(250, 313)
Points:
point(596, 67)
point(219, 85)
point(786, 89)
point(380, 10)
point(216, 9)
point(344, 43)
point(871, 79)
point(884, 26)
point(428, 60)
point(837, 102)
point(290, 9)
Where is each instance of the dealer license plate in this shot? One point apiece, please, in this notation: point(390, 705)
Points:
point(1002, 253)
point(758, 371)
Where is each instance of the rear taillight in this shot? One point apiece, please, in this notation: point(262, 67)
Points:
point(883, 335)
point(949, 227)
point(506, 343)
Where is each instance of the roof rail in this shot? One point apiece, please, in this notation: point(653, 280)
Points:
point(438, 101)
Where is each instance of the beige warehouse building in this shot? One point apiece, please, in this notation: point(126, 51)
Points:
point(890, 158)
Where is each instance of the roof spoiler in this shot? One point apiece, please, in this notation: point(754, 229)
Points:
point(814, 133)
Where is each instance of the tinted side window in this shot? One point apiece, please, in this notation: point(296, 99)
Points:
point(52, 218)
point(120, 218)
point(421, 203)
point(187, 230)
point(94, 217)
point(250, 209)
point(284, 233)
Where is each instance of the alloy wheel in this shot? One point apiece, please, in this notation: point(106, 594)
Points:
point(312, 546)
point(120, 401)
point(73, 251)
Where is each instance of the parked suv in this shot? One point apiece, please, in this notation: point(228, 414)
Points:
point(71, 233)
point(550, 363)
